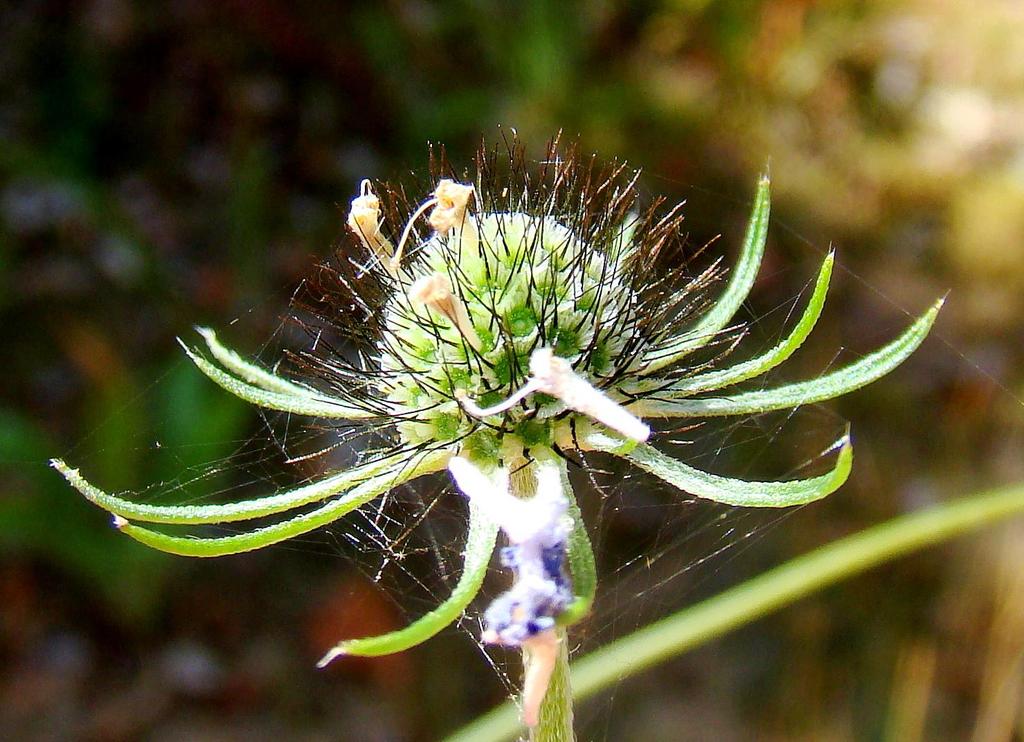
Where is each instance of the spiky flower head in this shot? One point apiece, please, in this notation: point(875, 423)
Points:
point(501, 321)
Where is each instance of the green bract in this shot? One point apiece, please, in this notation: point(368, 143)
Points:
point(556, 261)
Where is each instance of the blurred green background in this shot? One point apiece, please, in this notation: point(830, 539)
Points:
point(169, 164)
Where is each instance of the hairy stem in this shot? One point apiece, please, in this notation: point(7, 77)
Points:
point(757, 597)
point(556, 712)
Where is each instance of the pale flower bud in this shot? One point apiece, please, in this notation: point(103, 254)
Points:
point(450, 209)
point(364, 220)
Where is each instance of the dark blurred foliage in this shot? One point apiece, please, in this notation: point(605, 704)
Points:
point(169, 164)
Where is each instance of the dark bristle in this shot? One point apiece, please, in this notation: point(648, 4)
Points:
point(342, 305)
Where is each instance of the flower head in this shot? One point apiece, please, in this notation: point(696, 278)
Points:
point(517, 318)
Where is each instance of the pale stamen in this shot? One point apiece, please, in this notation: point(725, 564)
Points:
point(450, 201)
point(450, 213)
point(364, 220)
point(553, 375)
point(435, 291)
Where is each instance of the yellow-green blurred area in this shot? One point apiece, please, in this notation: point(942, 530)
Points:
point(170, 164)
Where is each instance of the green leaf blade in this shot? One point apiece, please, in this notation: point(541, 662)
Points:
point(480, 543)
point(250, 372)
point(302, 404)
point(226, 512)
point(301, 524)
point(778, 354)
point(828, 386)
point(730, 491)
point(736, 292)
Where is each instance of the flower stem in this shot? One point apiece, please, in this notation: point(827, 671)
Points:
point(556, 712)
point(556, 716)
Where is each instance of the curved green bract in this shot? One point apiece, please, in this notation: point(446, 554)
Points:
point(227, 512)
point(250, 372)
point(480, 542)
point(260, 537)
point(868, 369)
point(734, 295)
point(772, 358)
point(580, 555)
point(731, 491)
point(302, 404)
